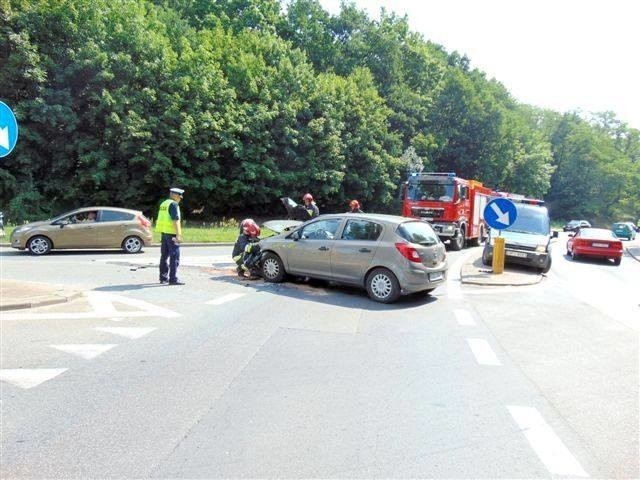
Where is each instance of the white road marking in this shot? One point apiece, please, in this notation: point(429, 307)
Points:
point(549, 448)
point(129, 332)
point(225, 298)
point(454, 281)
point(101, 303)
point(29, 377)
point(483, 351)
point(86, 351)
point(104, 303)
point(151, 309)
point(464, 317)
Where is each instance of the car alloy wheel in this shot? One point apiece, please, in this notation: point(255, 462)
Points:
point(382, 286)
point(39, 245)
point(132, 244)
point(272, 268)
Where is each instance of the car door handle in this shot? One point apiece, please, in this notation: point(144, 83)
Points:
point(364, 250)
point(323, 249)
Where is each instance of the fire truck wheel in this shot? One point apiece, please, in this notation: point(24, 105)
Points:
point(457, 243)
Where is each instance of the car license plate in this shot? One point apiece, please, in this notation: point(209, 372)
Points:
point(516, 254)
point(435, 276)
point(603, 245)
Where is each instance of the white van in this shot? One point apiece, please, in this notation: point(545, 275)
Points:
point(528, 240)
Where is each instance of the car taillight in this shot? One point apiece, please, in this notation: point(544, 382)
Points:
point(408, 252)
point(144, 222)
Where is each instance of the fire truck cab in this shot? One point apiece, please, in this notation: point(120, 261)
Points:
point(454, 206)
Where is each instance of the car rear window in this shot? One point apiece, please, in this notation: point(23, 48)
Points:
point(597, 233)
point(114, 216)
point(418, 232)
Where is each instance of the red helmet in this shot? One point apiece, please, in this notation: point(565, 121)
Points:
point(249, 227)
point(307, 196)
point(354, 204)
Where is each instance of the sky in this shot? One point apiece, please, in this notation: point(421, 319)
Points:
point(558, 54)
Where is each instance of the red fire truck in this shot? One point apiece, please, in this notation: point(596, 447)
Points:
point(452, 205)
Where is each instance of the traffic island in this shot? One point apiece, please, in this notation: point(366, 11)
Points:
point(15, 295)
point(475, 273)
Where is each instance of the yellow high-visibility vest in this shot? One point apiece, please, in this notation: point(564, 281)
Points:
point(164, 223)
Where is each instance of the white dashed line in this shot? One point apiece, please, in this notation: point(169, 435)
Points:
point(464, 318)
point(29, 377)
point(226, 298)
point(549, 448)
point(483, 352)
point(129, 332)
point(86, 351)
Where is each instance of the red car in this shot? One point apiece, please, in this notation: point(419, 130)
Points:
point(595, 242)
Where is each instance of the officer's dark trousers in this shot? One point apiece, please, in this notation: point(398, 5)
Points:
point(169, 258)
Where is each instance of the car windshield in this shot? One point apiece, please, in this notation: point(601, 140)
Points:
point(531, 219)
point(418, 232)
point(573, 223)
point(620, 226)
point(430, 191)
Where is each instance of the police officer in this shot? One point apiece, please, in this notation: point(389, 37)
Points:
point(168, 224)
point(310, 206)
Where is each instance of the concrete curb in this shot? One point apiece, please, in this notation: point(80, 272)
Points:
point(43, 301)
point(631, 254)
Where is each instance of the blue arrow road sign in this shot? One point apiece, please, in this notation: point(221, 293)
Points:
point(500, 213)
point(8, 130)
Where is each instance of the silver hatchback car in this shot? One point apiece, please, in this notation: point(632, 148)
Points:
point(386, 254)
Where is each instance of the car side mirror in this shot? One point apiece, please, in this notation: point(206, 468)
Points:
point(571, 234)
point(554, 234)
point(295, 236)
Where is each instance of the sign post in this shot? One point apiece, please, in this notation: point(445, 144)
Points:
point(8, 130)
point(500, 213)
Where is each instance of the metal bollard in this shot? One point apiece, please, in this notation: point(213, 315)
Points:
point(498, 255)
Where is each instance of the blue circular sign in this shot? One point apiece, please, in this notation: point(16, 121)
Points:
point(8, 130)
point(500, 213)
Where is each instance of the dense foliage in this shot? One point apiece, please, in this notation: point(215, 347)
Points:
point(243, 101)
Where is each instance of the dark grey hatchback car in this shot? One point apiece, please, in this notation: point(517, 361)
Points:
point(385, 254)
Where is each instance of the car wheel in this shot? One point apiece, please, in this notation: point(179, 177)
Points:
point(547, 266)
point(486, 261)
point(382, 286)
point(616, 261)
point(39, 245)
point(457, 243)
point(272, 268)
point(132, 244)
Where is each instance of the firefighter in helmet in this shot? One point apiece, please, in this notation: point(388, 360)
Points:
point(246, 249)
point(310, 206)
point(354, 207)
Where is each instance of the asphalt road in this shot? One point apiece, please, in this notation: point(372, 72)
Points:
point(229, 378)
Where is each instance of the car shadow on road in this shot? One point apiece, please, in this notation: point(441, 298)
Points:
point(591, 260)
point(324, 292)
